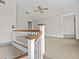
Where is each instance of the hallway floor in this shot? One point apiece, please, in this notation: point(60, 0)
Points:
point(62, 48)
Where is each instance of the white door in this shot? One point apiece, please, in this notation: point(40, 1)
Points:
point(7, 19)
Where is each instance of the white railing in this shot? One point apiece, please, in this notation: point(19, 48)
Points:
point(36, 43)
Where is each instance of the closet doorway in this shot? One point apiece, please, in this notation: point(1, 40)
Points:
point(69, 26)
point(29, 25)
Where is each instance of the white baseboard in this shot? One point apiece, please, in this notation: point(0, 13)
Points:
point(5, 43)
point(53, 36)
point(69, 36)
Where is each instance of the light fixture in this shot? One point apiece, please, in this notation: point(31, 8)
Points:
point(1, 1)
point(40, 9)
point(27, 12)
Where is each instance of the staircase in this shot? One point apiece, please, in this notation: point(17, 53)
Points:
point(32, 45)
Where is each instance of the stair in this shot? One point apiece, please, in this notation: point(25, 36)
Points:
point(22, 56)
point(21, 46)
point(33, 48)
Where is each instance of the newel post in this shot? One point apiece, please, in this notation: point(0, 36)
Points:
point(42, 28)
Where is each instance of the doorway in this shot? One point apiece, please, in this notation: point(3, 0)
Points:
point(29, 25)
point(69, 26)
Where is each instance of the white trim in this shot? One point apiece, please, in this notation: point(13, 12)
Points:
point(62, 26)
point(69, 14)
point(57, 36)
point(77, 37)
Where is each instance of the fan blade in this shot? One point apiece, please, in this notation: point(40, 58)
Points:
point(2, 2)
point(44, 8)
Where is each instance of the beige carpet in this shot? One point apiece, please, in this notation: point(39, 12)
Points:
point(62, 49)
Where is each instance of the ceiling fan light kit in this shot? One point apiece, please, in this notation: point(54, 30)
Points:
point(27, 12)
point(40, 9)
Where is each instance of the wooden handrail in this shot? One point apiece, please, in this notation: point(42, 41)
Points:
point(27, 30)
point(39, 34)
point(30, 36)
point(21, 56)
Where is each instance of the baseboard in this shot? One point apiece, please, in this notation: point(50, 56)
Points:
point(52, 36)
point(5, 43)
point(71, 36)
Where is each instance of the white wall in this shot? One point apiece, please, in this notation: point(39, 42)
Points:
point(54, 20)
point(53, 26)
point(22, 17)
point(20, 14)
point(7, 19)
point(68, 25)
point(56, 8)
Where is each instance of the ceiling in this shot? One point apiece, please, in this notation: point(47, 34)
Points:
point(55, 7)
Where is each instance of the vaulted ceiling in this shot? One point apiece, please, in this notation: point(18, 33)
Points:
point(55, 7)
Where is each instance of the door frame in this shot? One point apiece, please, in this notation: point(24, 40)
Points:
point(75, 22)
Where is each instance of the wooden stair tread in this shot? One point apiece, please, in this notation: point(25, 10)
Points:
point(21, 56)
point(30, 36)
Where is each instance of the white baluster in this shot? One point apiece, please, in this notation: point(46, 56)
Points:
point(31, 49)
point(36, 50)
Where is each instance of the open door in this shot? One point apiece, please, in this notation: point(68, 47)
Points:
point(29, 25)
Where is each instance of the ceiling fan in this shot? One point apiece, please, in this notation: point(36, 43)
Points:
point(1, 1)
point(40, 9)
